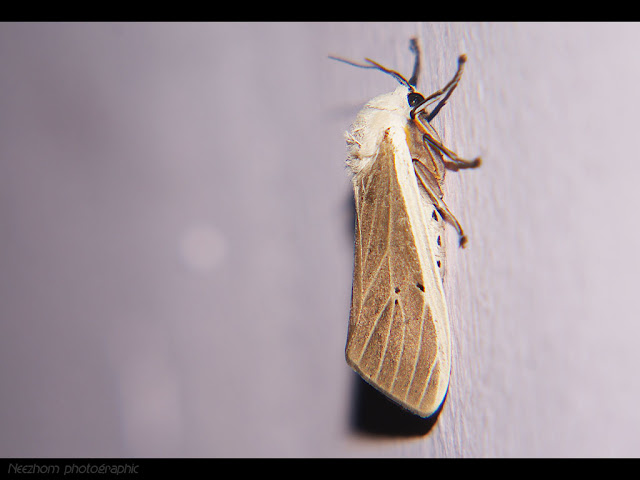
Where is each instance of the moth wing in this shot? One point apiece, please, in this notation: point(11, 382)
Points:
point(398, 337)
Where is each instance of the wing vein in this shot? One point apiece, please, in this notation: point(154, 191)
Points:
point(373, 328)
point(398, 363)
point(419, 350)
point(426, 383)
point(369, 237)
point(386, 343)
point(366, 291)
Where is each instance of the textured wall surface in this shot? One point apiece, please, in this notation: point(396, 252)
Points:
point(176, 240)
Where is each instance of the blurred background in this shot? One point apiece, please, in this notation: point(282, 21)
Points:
point(176, 240)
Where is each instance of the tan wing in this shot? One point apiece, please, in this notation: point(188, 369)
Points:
point(398, 336)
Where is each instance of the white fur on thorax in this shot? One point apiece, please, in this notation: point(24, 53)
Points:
point(364, 137)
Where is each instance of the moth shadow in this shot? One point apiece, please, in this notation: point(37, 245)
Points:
point(372, 413)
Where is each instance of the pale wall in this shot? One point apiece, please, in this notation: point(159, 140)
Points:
point(176, 239)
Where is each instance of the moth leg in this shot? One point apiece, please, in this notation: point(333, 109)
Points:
point(455, 162)
point(414, 46)
point(441, 207)
point(447, 90)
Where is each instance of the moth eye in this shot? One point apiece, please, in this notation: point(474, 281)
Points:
point(414, 99)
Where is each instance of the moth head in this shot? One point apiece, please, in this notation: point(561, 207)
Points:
point(415, 100)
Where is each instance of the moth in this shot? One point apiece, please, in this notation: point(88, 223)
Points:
point(398, 338)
